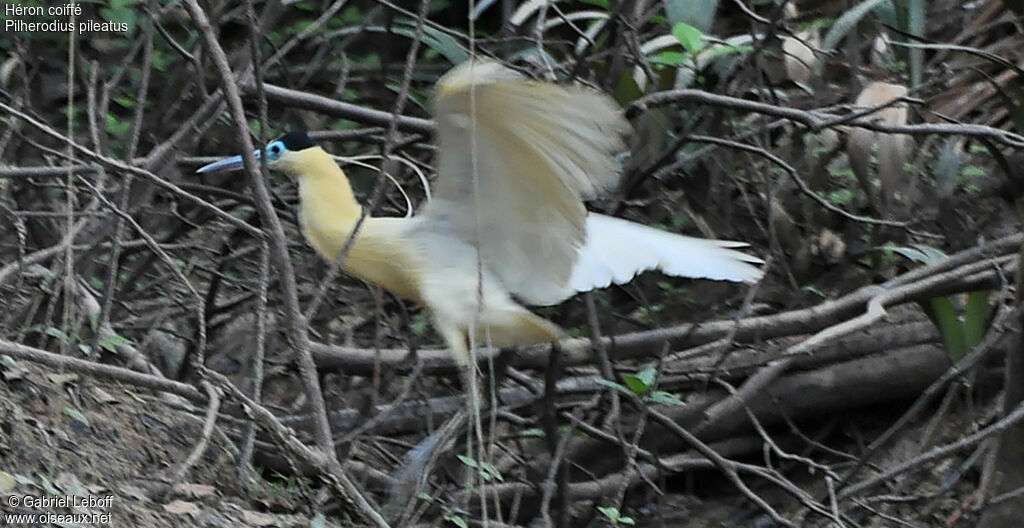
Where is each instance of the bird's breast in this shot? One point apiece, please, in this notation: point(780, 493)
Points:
point(381, 253)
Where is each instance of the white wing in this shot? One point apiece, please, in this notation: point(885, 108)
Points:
point(617, 250)
point(516, 159)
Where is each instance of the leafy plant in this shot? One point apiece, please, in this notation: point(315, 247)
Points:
point(111, 341)
point(487, 471)
point(455, 519)
point(962, 326)
point(641, 387)
point(614, 516)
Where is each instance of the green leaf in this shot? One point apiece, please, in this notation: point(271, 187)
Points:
point(942, 312)
point(613, 385)
point(626, 90)
point(611, 512)
point(668, 58)
point(110, 342)
point(647, 376)
point(121, 14)
point(721, 51)
point(690, 37)
point(627, 521)
point(55, 332)
point(471, 462)
point(117, 127)
point(486, 471)
point(916, 252)
point(815, 290)
point(972, 171)
point(9, 363)
point(636, 386)
point(932, 254)
point(665, 398)
point(456, 520)
point(841, 197)
point(125, 101)
point(976, 317)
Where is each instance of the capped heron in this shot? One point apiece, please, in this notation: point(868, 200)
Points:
point(507, 223)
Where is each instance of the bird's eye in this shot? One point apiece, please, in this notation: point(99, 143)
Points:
point(274, 151)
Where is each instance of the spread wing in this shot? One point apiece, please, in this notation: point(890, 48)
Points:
point(516, 159)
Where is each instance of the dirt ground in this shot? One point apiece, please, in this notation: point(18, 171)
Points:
point(65, 435)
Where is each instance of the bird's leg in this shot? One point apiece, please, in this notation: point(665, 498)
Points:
point(464, 356)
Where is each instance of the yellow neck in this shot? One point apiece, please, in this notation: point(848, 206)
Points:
point(381, 252)
point(329, 207)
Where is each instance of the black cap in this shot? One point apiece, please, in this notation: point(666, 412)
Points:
point(297, 140)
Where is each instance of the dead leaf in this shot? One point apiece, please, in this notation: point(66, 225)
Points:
point(258, 519)
point(897, 187)
point(798, 57)
point(134, 492)
point(195, 491)
point(61, 379)
point(69, 484)
point(180, 507)
point(77, 415)
point(7, 482)
point(102, 396)
point(881, 54)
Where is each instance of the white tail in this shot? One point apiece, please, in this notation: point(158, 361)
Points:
point(617, 250)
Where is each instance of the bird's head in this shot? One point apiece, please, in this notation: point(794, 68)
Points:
point(285, 153)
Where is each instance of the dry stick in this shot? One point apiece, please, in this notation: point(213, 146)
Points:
point(212, 408)
point(726, 466)
point(1019, 492)
point(155, 247)
point(319, 103)
point(580, 351)
point(816, 120)
point(767, 439)
point(553, 483)
point(275, 233)
point(134, 359)
point(245, 468)
point(329, 467)
point(297, 328)
point(124, 167)
point(309, 30)
point(110, 288)
point(41, 255)
point(996, 330)
point(100, 370)
point(937, 453)
point(875, 311)
point(795, 176)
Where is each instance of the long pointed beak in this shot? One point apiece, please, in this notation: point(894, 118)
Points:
point(227, 164)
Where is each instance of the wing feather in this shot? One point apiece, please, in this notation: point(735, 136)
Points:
point(516, 159)
point(617, 250)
